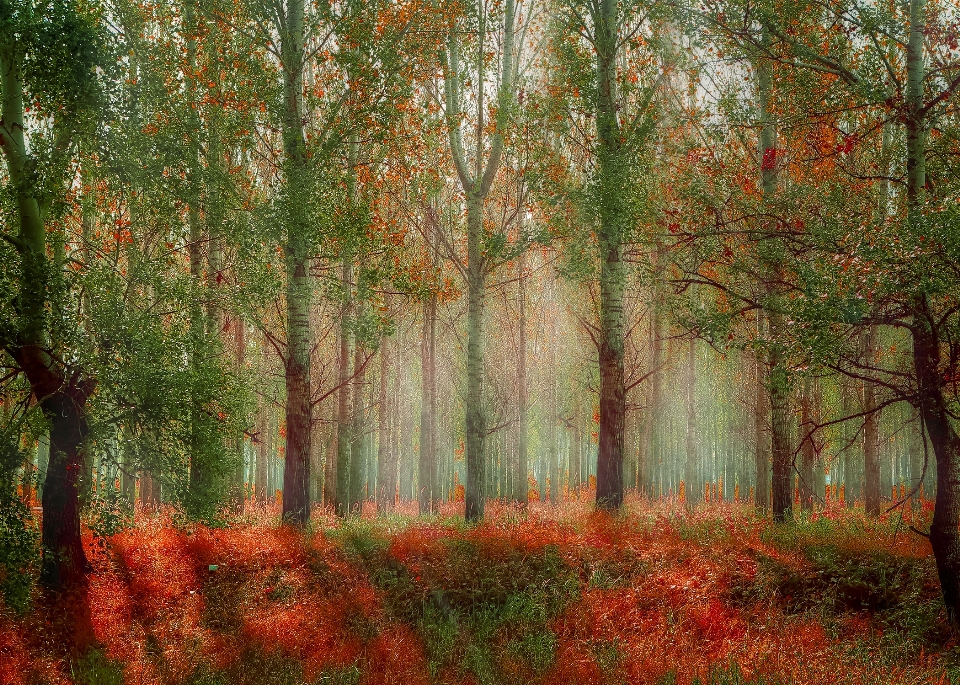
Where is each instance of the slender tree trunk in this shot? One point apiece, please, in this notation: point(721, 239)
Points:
point(145, 501)
point(386, 457)
point(576, 449)
point(871, 434)
point(848, 408)
point(780, 414)
point(553, 451)
point(299, 410)
point(200, 476)
point(476, 185)
point(128, 477)
point(299, 290)
point(341, 465)
point(655, 382)
point(239, 475)
point(778, 383)
point(807, 448)
point(522, 487)
point(263, 451)
point(357, 434)
point(761, 441)
point(405, 419)
point(476, 429)
point(691, 463)
point(612, 273)
point(429, 491)
point(430, 487)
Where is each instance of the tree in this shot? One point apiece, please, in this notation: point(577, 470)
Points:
point(476, 183)
point(49, 54)
point(891, 292)
point(602, 62)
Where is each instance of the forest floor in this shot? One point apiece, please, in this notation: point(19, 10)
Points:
point(553, 595)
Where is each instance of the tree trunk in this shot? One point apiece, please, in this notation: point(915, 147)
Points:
point(612, 274)
point(405, 419)
point(429, 491)
point(476, 186)
point(553, 449)
point(807, 447)
point(475, 421)
point(200, 476)
point(781, 452)
point(761, 490)
point(61, 393)
point(341, 466)
point(944, 538)
point(778, 383)
point(299, 409)
point(386, 457)
point(931, 402)
point(263, 452)
point(63, 401)
point(655, 383)
point(576, 449)
point(553, 452)
point(299, 290)
point(521, 486)
point(690, 463)
point(357, 434)
point(871, 434)
point(64, 560)
point(612, 394)
point(240, 474)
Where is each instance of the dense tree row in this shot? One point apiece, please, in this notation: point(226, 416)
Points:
point(337, 253)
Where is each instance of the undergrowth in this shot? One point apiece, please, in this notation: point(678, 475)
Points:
point(656, 596)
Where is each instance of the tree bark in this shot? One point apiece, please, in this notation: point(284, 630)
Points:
point(264, 449)
point(341, 466)
point(931, 401)
point(934, 413)
point(299, 288)
point(655, 382)
point(357, 434)
point(781, 452)
point(576, 449)
point(847, 465)
point(612, 273)
point(778, 383)
point(429, 492)
point(476, 428)
point(761, 490)
point(807, 448)
point(553, 452)
point(690, 464)
point(871, 434)
point(386, 457)
point(521, 486)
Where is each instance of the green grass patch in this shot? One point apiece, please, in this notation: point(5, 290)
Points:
point(481, 608)
point(94, 668)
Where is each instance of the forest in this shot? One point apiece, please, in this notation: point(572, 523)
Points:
point(479, 341)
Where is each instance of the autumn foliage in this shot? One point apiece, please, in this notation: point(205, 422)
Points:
point(557, 595)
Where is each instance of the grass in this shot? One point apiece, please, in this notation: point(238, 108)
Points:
point(655, 595)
